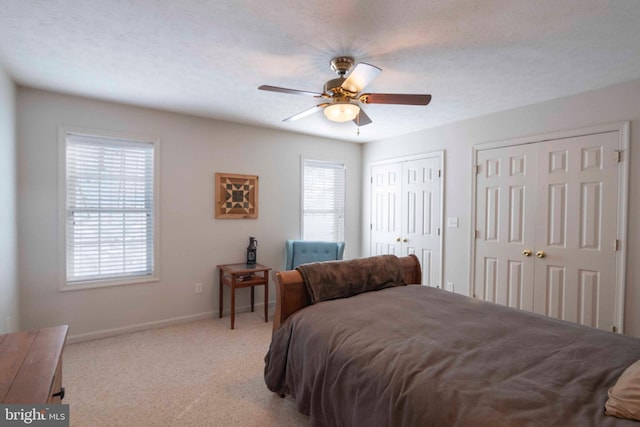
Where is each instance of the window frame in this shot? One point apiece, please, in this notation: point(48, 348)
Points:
point(302, 193)
point(64, 285)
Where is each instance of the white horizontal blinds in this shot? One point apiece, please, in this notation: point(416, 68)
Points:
point(110, 224)
point(323, 200)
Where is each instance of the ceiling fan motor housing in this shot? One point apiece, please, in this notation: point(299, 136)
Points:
point(342, 64)
point(333, 86)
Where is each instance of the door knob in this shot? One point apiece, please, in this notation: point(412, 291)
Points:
point(398, 239)
point(405, 240)
point(540, 254)
point(526, 252)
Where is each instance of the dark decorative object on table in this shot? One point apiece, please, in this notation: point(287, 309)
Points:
point(251, 251)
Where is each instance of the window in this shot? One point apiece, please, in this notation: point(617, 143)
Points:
point(109, 210)
point(323, 200)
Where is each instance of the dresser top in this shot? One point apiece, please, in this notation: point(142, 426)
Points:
point(28, 363)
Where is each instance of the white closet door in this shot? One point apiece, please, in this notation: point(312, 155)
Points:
point(421, 207)
point(558, 199)
point(386, 209)
point(406, 213)
point(505, 211)
point(576, 229)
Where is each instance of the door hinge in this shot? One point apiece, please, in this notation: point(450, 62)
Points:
point(438, 231)
point(616, 244)
point(477, 234)
point(370, 226)
point(618, 155)
point(614, 329)
point(477, 169)
point(372, 180)
point(439, 173)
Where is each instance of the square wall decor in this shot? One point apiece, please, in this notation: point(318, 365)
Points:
point(236, 196)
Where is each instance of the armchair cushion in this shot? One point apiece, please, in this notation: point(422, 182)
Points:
point(305, 251)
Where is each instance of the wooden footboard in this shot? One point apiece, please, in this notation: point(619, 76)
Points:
point(291, 293)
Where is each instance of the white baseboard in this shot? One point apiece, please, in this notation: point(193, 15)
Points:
point(105, 333)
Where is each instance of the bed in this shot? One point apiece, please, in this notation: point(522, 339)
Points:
point(401, 355)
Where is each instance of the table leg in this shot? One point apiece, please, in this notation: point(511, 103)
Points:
point(252, 288)
point(221, 294)
point(266, 296)
point(233, 305)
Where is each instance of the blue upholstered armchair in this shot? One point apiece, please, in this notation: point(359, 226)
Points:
point(303, 251)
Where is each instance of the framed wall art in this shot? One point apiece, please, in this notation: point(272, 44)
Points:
point(236, 196)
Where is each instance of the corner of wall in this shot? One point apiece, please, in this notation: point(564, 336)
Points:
point(9, 292)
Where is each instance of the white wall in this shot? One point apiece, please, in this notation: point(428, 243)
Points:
point(9, 318)
point(192, 242)
point(608, 105)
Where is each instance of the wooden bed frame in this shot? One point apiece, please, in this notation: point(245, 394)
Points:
point(291, 292)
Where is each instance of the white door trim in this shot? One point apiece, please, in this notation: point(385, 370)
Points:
point(623, 129)
point(439, 153)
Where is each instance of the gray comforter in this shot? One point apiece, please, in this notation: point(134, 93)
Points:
point(418, 356)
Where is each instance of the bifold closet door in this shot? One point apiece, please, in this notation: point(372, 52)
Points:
point(576, 229)
point(505, 226)
point(421, 207)
point(546, 227)
point(386, 209)
point(406, 206)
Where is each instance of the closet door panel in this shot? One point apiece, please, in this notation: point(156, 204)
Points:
point(421, 201)
point(577, 229)
point(505, 207)
point(386, 209)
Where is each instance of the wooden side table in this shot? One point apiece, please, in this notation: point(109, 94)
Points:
point(244, 276)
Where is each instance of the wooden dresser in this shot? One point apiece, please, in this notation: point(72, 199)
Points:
point(31, 366)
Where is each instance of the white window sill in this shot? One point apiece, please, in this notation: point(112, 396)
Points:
point(80, 286)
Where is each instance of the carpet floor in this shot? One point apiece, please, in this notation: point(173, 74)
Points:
point(193, 374)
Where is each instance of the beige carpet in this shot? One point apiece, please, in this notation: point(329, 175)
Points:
point(194, 374)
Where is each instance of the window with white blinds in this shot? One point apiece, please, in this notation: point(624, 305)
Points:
point(110, 227)
point(323, 197)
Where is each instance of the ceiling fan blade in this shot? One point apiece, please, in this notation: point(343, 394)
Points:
point(361, 76)
point(285, 90)
point(395, 98)
point(362, 119)
point(306, 112)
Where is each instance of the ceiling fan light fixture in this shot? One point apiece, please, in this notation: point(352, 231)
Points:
point(341, 111)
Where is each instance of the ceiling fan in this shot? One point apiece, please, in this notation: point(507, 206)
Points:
point(342, 97)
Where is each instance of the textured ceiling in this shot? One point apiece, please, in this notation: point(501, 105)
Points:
point(208, 57)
